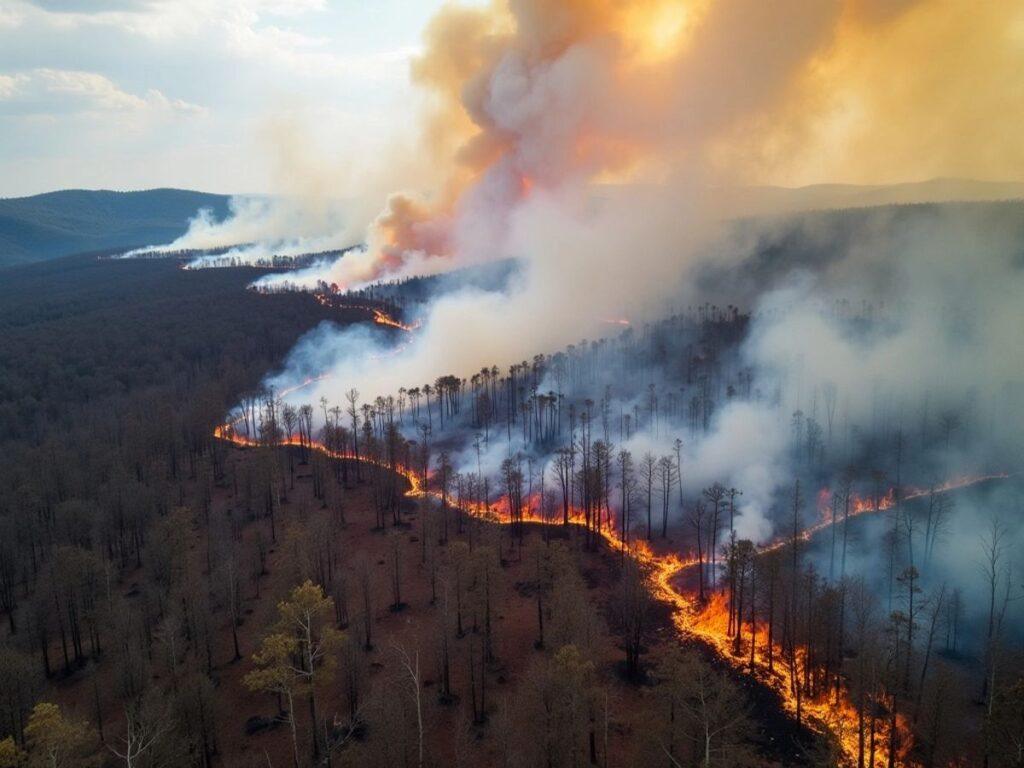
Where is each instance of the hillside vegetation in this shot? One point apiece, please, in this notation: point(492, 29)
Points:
point(76, 220)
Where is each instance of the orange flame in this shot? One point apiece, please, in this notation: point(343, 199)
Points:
point(379, 316)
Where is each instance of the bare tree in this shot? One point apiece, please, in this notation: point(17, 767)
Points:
point(648, 465)
point(667, 475)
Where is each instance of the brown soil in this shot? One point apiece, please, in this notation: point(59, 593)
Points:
point(413, 627)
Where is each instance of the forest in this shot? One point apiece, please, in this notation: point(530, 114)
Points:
point(850, 614)
point(646, 548)
point(160, 588)
point(540, 384)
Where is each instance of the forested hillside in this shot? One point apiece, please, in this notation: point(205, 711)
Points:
point(149, 573)
point(75, 220)
point(111, 373)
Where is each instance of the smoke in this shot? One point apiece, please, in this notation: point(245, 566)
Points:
point(535, 96)
point(943, 340)
point(746, 448)
point(537, 103)
point(259, 228)
point(580, 138)
point(323, 202)
point(527, 97)
point(546, 95)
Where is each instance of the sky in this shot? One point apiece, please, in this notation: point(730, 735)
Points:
point(132, 94)
point(249, 96)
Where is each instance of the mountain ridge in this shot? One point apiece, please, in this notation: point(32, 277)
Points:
point(59, 223)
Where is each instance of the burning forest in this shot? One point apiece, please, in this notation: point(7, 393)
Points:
point(561, 433)
point(754, 555)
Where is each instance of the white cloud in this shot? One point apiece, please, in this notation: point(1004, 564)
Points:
point(92, 91)
point(57, 90)
point(9, 17)
point(9, 85)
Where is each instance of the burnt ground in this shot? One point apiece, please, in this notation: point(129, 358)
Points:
point(779, 738)
point(413, 627)
point(451, 737)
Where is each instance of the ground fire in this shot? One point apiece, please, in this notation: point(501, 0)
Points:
point(745, 645)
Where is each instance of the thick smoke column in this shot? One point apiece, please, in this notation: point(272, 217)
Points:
point(528, 95)
point(539, 95)
point(540, 102)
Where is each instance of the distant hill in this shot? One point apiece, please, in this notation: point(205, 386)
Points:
point(755, 201)
point(76, 220)
point(742, 202)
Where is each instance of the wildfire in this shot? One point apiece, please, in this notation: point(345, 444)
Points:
point(303, 384)
point(616, 321)
point(832, 712)
point(379, 316)
point(860, 505)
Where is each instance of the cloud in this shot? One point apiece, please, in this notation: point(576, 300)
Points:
point(9, 86)
point(9, 18)
point(163, 7)
point(42, 91)
point(93, 6)
point(341, 66)
point(237, 27)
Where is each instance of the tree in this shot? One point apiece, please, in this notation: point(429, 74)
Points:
point(275, 674)
point(627, 484)
point(148, 724)
point(19, 683)
point(411, 671)
point(556, 705)
point(994, 570)
point(698, 516)
point(715, 494)
point(11, 756)
point(307, 616)
point(572, 616)
point(352, 396)
point(667, 474)
point(703, 717)
point(648, 465)
point(1005, 726)
point(302, 634)
point(908, 579)
point(633, 605)
point(53, 741)
point(940, 508)
point(564, 470)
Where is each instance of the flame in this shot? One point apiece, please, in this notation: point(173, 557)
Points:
point(303, 384)
point(860, 505)
point(379, 316)
point(832, 712)
point(616, 321)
